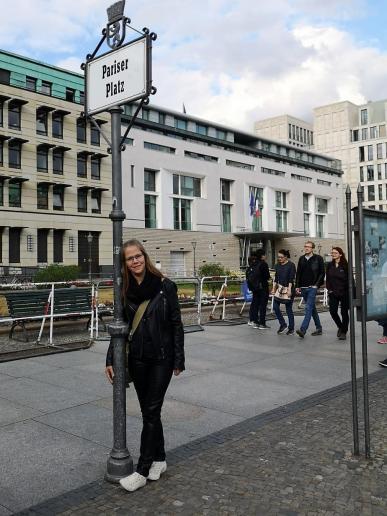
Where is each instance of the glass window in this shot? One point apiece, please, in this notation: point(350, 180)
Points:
point(321, 205)
point(364, 133)
point(31, 83)
point(370, 173)
point(70, 95)
point(306, 224)
point(226, 218)
point(380, 192)
point(150, 180)
point(81, 97)
point(238, 164)
point(221, 135)
point(14, 116)
point(320, 226)
point(373, 132)
point(94, 135)
point(57, 125)
point(46, 87)
point(371, 193)
point(5, 76)
point(42, 159)
point(162, 118)
point(1, 113)
point(41, 122)
point(190, 186)
point(225, 190)
point(160, 148)
point(95, 167)
point(176, 189)
point(280, 199)
point(14, 154)
point(58, 245)
point(42, 246)
point(201, 129)
point(370, 152)
point(81, 130)
point(182, 214)
point(355, 135)
point(57, 161)
point(379, 151)
point(281, 220)
point(361, 153)
point(1, 194)
point(14, 194)
point(42, 197)
point(361, 174)
point(150, 211)
point(145, 114)
point(305, 201)
point(14, 245)
point(180, 124)
point(82, 200)
point(363, 116)
point(58, 197)
point(382, 131)
point(82, 165)
point(95, 201)
point(379, 171)
point(1, 152)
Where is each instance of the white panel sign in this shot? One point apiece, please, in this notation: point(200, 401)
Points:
point(117, 77)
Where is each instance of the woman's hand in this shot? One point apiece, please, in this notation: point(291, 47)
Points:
point(176, 372)
point(109, 373)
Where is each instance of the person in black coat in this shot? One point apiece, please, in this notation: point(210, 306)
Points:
point(337, 286)
point(156, 351)
point(261, 288)
point(309, 278)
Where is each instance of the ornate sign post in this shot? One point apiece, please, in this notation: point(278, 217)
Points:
point(120, 76)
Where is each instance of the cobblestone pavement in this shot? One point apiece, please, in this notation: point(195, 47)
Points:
point(295, 460)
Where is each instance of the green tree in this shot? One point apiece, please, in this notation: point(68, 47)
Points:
point(57, 272)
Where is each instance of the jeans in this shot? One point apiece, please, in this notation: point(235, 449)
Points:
point(253, 314)
point(309, 296)
point(383, 324)
point(262, 299)
point(289, 312)
point(151, 379)
point(334, 302)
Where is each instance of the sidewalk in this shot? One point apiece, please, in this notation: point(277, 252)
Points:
point(55, 411)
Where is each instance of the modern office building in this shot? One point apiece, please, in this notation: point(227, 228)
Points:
point(287, 129)
point(356, 135)
point(55, 178)
point(190, 182)
point(193, 191)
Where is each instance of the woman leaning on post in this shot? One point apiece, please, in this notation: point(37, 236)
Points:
point(336, 280)
point(156, 351)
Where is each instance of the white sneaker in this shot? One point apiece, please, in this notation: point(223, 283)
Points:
point(133, 482)
point(157, 469)
point(250, 323)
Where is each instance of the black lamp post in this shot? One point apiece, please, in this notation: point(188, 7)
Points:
point(194, 256)
point(89, 241)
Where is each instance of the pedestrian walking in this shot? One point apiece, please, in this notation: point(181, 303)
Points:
point(261, 281)
point(310, 276)
point(383, 324)
point(156, 351)
point(283, 291)
point(337, 285)
point(251, 280)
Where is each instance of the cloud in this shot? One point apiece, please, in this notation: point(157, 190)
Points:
point(228, 61)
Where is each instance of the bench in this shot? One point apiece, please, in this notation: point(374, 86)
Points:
point(68, 302)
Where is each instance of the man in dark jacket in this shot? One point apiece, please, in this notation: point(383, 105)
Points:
point(310, 276)
point(261, 285)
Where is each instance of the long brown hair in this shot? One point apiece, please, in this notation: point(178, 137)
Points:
point(149, 266)
point(343, 260)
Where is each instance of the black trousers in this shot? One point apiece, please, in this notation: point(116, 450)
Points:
point(262, 299)
point(151, 379)
point(334, 302)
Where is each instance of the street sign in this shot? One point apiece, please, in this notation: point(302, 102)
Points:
point(118, 77)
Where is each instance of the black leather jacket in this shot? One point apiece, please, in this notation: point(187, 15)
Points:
point(163, 324)
point(317, 269)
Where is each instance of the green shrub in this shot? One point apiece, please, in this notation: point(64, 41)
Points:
point(211, 269)
point(57, 272)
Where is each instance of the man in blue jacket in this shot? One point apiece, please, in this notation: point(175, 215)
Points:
point(310, 276)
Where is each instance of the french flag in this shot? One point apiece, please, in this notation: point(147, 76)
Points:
point(252, 204)
point(257, 211)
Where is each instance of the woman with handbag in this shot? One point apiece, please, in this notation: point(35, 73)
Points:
point(283, 291)
point(337, 284)
point(156, 351)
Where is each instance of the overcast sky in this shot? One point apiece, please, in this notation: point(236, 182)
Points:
point(228, 61)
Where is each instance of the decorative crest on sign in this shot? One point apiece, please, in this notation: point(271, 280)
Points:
point(115, 29)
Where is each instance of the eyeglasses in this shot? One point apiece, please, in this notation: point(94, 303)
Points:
point(136, 257)
point(280, 257)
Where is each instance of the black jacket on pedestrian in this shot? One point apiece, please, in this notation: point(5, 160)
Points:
point(160, 333)
point(310, 272)
point(259, 276)
point(337, 279)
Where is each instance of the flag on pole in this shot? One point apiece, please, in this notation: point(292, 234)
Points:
point(257, 211)
point(252, 204)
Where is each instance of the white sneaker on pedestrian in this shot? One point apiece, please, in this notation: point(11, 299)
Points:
point(250, 323)
point(157, 469)
point(133, 482)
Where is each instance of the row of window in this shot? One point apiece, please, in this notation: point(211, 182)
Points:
point(14, 240)
point(368, 133)
point(366, 153)
point(371, 192)
point(300, 134)
point(368, 173)
point(58, 196)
